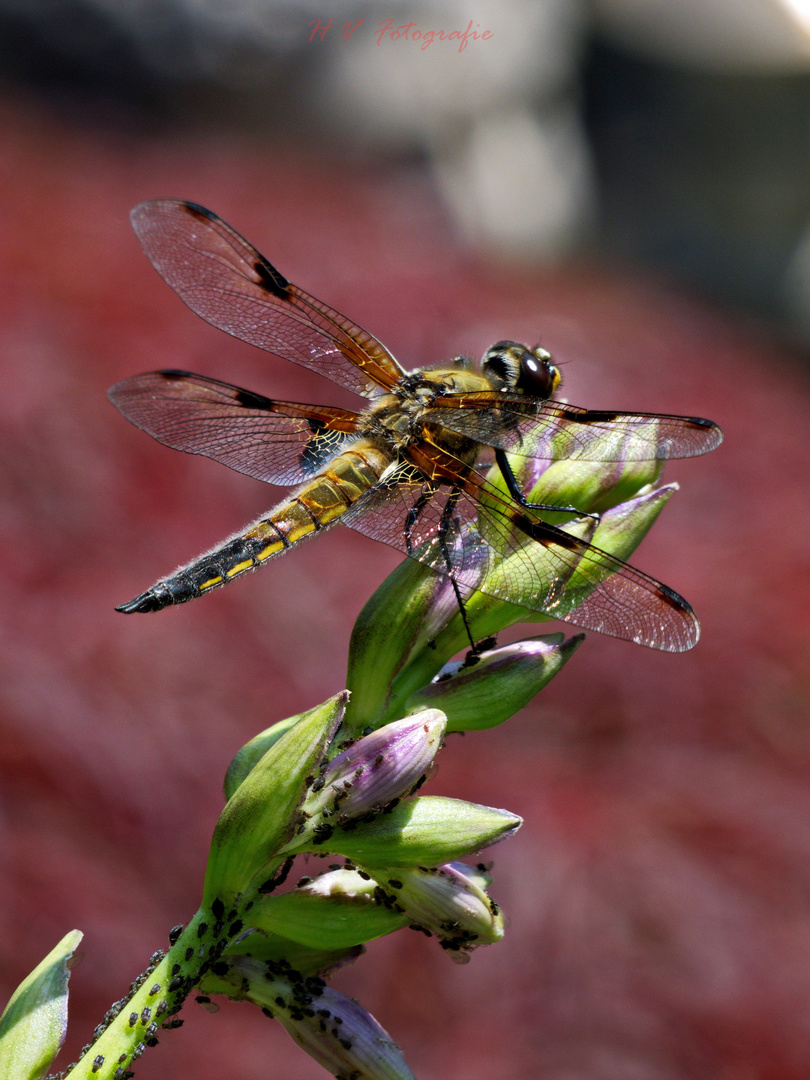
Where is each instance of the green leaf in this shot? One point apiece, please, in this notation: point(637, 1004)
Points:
point(260, 816)
point(32, 1028)
point(252, 752)
point(321, 918)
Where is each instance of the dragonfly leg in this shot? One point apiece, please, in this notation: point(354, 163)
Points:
point(444, 525)
point(413, 516)
point(415, 512)
point(514, 490)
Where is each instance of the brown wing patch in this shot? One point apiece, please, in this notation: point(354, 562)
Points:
point(280, 442)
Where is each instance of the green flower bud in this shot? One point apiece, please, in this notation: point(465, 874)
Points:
point(622, 528)
point(592, 486)
point(252, 752)
point(499, 682)
point(619, 531)
point(488, 613)
point(424, 831)
point(397, 624)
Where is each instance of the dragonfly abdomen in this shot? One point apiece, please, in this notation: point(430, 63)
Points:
point(311, 509)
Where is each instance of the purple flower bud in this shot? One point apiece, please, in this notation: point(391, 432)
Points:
point(346, 1039)
point(376, 769)
point(332, 1028)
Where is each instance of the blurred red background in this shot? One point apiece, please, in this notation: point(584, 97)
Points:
point(659, 891)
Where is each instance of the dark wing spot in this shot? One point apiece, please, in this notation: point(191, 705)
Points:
point(199, 211)
point(172, 374)
point(597, 416)
point(697, 422)
point(270, 279)
point(253, 401)
point(322, 445)
point(672, 599)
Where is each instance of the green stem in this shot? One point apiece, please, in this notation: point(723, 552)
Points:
point(157, 1000)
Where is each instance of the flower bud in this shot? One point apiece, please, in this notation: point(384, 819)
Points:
point(375, 770)
point(618, 532)
point(622, 528)
point(585, 486)
point(497, 684)
point(397, 624)
point(252, 752)
point(592, 486)
point(334, 911)
point(261, 815)
point(448, 902)
point(487, 611)
point(332, 1028)
point(424, 831)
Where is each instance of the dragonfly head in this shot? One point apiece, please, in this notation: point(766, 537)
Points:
point(511, 366)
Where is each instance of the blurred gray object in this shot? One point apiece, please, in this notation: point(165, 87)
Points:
point(675, 135)
point(497, 120)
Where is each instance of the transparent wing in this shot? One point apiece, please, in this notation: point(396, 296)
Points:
point(275, 441)
point(550, 429)
point(227, 282)
point(528, 563)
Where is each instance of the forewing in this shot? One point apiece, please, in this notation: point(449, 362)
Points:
point(550, 429)
point(227, 282)
point(275, 441)
point(531, 564)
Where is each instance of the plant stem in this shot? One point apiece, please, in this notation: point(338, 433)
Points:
point(158, 996)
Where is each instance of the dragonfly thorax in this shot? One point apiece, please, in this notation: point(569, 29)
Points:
point(399, 418)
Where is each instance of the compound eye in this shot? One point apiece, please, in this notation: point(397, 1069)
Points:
point(538, 376)
point(501, 364)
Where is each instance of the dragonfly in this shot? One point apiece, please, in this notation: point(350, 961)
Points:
point(405, 470)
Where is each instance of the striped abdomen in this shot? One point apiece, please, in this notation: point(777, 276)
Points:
point(316, 505)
